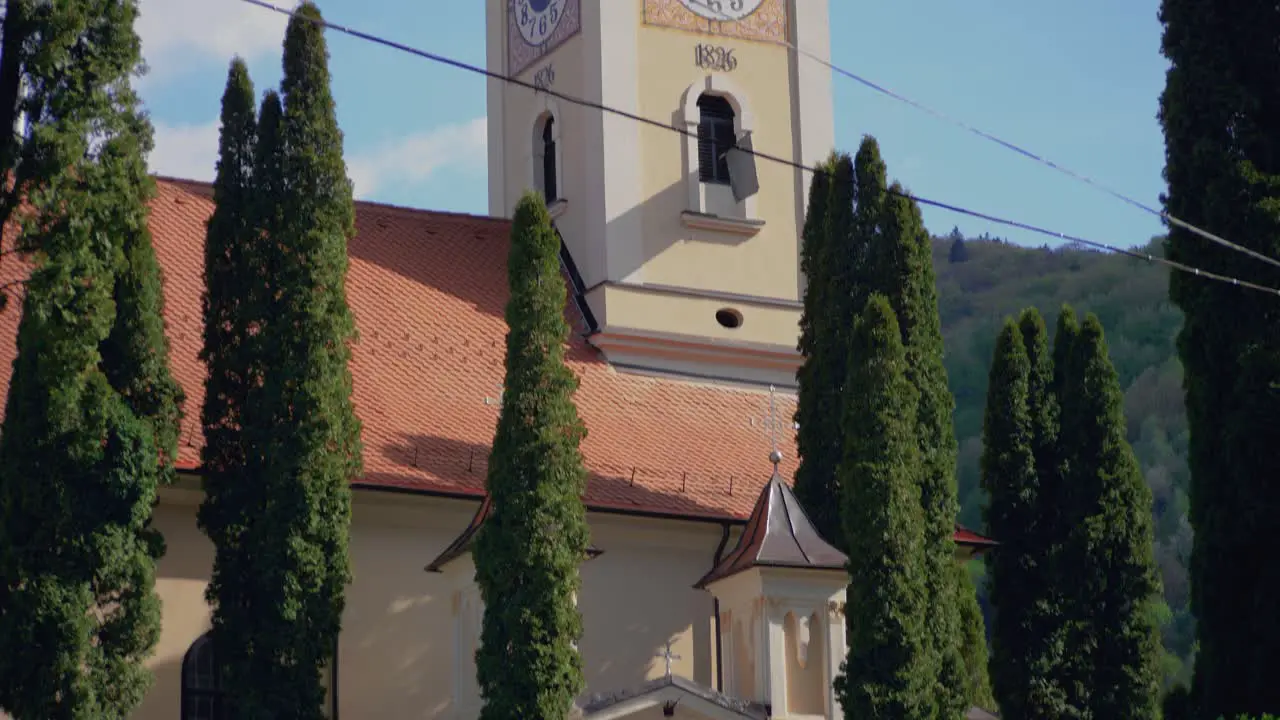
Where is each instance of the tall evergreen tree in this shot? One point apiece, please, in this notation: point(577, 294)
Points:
point(91, 422)
point(1110, 548)
point(886, 673)
point(234, 497)
point(826, 261)
point(817, 441)
point(1074, 633)
point(528, 552)
point(974, 645)
point(900, 265)
point(301, 436)
point(1219, 110)
point(1020, 571)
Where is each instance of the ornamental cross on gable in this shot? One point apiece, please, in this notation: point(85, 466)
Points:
point(772, 423)
point(498, 400)
point(667, 655)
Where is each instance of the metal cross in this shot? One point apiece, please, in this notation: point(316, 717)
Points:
point(491, 401)
point(667, 655)
point(771, 422)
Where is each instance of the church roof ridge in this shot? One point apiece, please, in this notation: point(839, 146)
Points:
point(205, 188)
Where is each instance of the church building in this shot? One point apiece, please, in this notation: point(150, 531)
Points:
point(708, 594)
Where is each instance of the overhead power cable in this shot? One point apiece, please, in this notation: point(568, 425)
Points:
point(434, 57)
point(1164, 216)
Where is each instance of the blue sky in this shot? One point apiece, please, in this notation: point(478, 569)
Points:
point(1077, 83)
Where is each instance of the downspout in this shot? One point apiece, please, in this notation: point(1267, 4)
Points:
point(715, 603)
point(333, 682)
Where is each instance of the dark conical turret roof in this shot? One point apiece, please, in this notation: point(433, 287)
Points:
point(778, 534)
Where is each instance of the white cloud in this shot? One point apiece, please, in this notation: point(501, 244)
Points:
point(191, 151)
point(185, 151)
point(414, 158)
point(179, 33)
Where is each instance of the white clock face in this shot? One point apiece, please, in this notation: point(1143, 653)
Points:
point(728, 10)
point(537, 19)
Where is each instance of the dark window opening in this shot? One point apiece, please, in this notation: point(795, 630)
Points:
point(729, 318)
point(549, 189)
point(202, 695)
point(716, 137)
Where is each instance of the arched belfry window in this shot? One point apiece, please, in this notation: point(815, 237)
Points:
point(203, 697)
point(549, 189)
point(716, 136)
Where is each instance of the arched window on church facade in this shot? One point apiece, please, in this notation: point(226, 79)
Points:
point(203, 697)
point(549, 160)
point(546, 172)
point(716, 136)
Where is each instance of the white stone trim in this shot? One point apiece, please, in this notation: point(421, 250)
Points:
point(715, 223)
point(743, 122)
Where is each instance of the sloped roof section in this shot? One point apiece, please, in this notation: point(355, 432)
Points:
point(778, 534)
point(428, 290)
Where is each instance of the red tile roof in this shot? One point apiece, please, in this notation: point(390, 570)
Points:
point(428, 290)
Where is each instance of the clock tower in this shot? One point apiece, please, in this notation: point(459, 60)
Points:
point(684, 249)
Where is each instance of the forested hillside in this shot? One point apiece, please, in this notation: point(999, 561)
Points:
point(983, 280)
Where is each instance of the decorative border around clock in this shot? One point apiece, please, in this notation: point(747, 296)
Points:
point(520, 55)
point(768, 22)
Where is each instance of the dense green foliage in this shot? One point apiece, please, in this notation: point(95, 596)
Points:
point(828, 257)
point(1220, 109)
point(874, 241)
point(900, 265)
point(977, 658)
point(528, 551)
point(818, 439)
point(91, 420)
point(1026, 661)
point(1074, 583)
point(1129, 297)
point(234, 494)
point(1113, 579)
point(887, 672)
point(284, 411)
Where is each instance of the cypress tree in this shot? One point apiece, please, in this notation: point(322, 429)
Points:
point(1218, 112)
point(1073, 630)
point(234, 497)
point(528, 552)
point(301, 436)
point(1110, 548)
point(1042, 401)
point(974, 645)
point(830, 257)
point(91, 422)
point(1009, 479)
point(818, 440)
point(886, 673)
point(900, 265)
point(1020, 571)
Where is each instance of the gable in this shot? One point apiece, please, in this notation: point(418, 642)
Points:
point(686, 698)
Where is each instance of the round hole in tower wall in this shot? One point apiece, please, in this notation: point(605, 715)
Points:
point(729, 318)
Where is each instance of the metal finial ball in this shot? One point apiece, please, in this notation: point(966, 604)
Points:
point(775, 457)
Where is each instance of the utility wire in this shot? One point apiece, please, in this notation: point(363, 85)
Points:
point(1166, 217)
point(434, 57)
